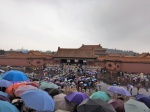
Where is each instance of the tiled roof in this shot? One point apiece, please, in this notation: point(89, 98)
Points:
point(35, 53)
point(94, 47)
point(144, 55)
point(117, 55)
point(134, 59)
point(25, 56)
point(74, 53)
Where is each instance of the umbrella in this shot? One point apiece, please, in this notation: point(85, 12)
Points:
point(61, 110)
point(4, 94)
point(38, 100)
point(135, 106)
point(33, 84)
point(62, 103)
point(52, 91)
point(44, 85)
point(14, 75)
point(7, 107)
point(76, 97)
point(95, 105)
point(5, 83)
point(12, 88)
point(145, 100)
point(21, 89)
point(60, 96)
point(2, 71)
point(4, 98)
point(118, 104)
point(100, 95)
point(138, 96)
point(119, 90)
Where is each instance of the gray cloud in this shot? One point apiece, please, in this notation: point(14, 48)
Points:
point(47, 24)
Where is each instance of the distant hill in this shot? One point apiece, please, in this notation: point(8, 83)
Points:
point(117, 51)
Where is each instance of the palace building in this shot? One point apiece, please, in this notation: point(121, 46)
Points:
point(86, 54)
point(90, 55)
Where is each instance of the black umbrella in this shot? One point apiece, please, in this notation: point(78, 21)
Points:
point(52, 91)
point(95, 105)
point(145, 100)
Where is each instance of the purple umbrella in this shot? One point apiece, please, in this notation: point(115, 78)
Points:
point(76, 97)
point(119, 90)
point(5, 83)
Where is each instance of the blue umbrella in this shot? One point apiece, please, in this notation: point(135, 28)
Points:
point(76, 97)
point(14, 75)
point(5, 83)
point(4, 94)
point(138, 96)
point(3, 98)
point(38, 100)
point(145, 100)
point(7, 107)
point(119, 90)
point(0, 77)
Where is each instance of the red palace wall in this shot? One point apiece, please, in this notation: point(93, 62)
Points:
point(36, 62)
point(14, 62)
point(135, 67)
point(128, 67)
point(114, 66)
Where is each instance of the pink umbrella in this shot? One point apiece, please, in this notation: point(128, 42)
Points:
point(21, 89)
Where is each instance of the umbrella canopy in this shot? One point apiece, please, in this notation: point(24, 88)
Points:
point(61, 110)
point(5, 83)
point(12, 88)
point(7, 107)
point(3, 98)
point(135, 106)
point(21, 89)
point(44, 85)
point(38, 100)
point(95, 105)
point(2, 71)
point(14, 75)
point(4, 94)
point(76, 97)
point(60, 96)
point(118, 104)
point(52, 91)
point(100, 95)
point(145, 100)
point(138, 96)
point(119, 90)
point(35, 84)
point(62, 103)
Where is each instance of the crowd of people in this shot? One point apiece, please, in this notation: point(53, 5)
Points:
point(77, 78)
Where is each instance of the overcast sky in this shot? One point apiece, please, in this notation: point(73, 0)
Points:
point(47, 24)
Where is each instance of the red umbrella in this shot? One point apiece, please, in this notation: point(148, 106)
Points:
point(11, 89)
